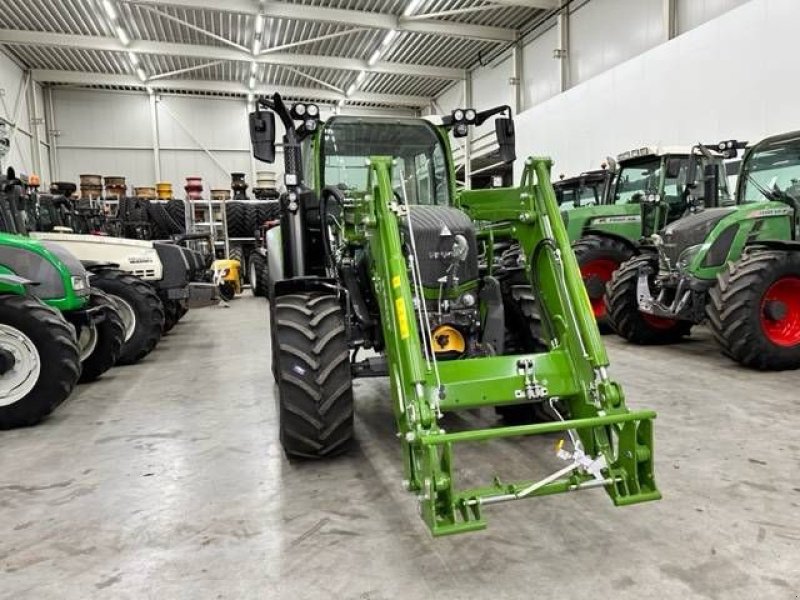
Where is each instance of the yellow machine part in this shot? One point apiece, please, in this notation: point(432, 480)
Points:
point(233, 268)
point(447, 340)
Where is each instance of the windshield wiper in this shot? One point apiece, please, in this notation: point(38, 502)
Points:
point(769, 195)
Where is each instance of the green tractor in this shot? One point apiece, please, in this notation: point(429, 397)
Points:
point(736, 265)
point(380, 267)
point(606, 233)
point(55, 329)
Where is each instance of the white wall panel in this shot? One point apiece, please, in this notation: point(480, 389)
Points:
point(20, 156)
point(135, 165)
point(695, 87)
point(491, 87)
point(540, 71)
point(692, 13)
point(604, 33)
point(91, 118)
point(215, 123)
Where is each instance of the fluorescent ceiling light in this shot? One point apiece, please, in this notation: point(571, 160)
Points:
point(259, 24)
point(412, 6)
point(387, 39)
point(123, 37)
point(252, 82)
point(257, 45)
point(134, 59)
point(374, 58)
point(350, 89)
point(110, 10)
point(361, 77)
point(253, 67)
point(140, 73)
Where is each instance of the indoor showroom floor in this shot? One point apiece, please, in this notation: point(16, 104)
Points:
point(166, 480)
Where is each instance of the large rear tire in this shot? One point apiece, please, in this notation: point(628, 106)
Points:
point(314, 381)
point(598, 257)
point(40, 361)
point(754, 310)
point(236, 216)
point(623, 312)
point(110, 333)
point(138, 299)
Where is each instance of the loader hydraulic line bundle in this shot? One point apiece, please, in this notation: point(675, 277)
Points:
point(376, 250)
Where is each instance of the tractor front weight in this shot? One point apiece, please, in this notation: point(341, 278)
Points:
point(603, 444)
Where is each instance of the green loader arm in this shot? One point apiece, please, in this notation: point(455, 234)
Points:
point(609, 446)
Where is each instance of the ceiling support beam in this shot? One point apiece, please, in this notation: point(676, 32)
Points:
point(82, 78)
point(88, 42)
point(355, 18)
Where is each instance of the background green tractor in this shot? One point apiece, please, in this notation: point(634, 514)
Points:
point(380, 267)
point(736, 265)
point(607, 233)
point(40, 278)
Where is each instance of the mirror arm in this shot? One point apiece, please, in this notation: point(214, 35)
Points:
point(482, 116)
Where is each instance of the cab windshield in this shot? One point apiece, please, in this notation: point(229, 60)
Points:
point(573, 195)
point(771, 171)
point(420, 174)
point(637, 179)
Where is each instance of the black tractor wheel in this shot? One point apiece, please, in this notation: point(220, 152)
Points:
point(39, 361)
point(104, 339)
point(598, 257)
point(754, 310)
point(314, 381)
point(623, 312)
point(163, 222)
point(258, 271)
point(237, 253)
point(251, 218)
point(172, 310)
point(177, 210)
point(140, 308)
point(236, 216)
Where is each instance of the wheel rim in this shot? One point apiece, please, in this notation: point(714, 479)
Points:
point(780, 312)
point(87, 341)
point(127, 314)
point(596, 274)
point(252, 270)
point(18, 382)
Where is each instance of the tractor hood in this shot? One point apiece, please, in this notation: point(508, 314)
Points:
point(691, 230)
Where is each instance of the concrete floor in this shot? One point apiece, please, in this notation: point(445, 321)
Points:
point(165, 480)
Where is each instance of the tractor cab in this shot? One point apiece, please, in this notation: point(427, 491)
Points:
point(590, 188)
point(770, 172)
point(668, 182)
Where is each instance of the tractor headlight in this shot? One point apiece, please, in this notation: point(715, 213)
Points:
point(458, 115)
point(313, 110)
point(470, 115)
point(310, 124)
point(299, 109)
point(685, 258)
point(79, 283)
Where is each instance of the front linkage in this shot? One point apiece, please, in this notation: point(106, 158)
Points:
point(609, 446)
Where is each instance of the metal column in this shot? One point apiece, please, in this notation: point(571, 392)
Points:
point(35, 121)
point(562, 52)
point(517, 88)
point(52, 133)
point(156, 137)
point(468, 144)
point(670, 19)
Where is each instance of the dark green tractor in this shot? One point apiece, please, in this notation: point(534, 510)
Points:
point(736, 266)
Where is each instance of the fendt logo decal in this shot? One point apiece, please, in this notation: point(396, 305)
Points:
point(622, 219)
point(771, 212)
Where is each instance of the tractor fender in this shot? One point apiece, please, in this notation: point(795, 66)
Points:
point(621, 239)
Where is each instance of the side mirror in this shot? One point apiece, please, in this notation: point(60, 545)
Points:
point(674, 168)
point(506, 139)
point(262, 135)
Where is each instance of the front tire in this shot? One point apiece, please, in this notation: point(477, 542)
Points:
point(754, 310)
point(315, 385)
point(136, 299)
point(259, 273)
point(31, 334)
point(623, 312)
point(598, 257)
point(110, 337)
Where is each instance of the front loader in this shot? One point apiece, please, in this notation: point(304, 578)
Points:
point(377, 250)
point(736, 266)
